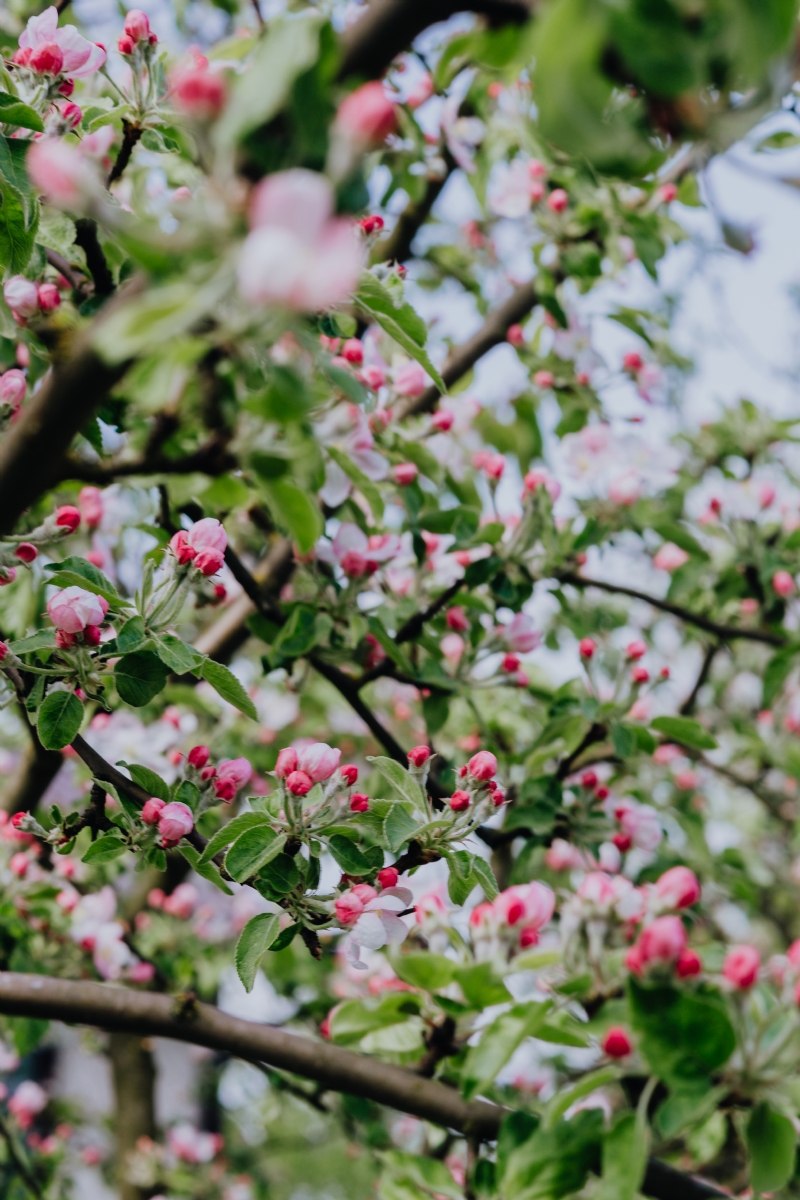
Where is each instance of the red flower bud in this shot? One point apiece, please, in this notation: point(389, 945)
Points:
point(68, 517)
point(586, 647)
point(26, 552)
point(198, 756)
point(349, 774)
point(298, 783)
point(388, 877)
point(358, 801)
point(459, 801)
point(617, 1043)
point(418, 756)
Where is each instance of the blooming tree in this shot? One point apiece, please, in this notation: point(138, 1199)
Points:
point(465, 733)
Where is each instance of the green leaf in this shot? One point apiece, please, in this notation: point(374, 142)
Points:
point(776, 672)
point(254, 941)
point(424, 970)
point(14, 112)
point(252, 850)
point(624, 1158)
point(176, 655)
point(73, 571)
point(104, 849)
point(286, 937)
point(368, 489)
point(624, 739)
point(131, 635)
point(782, 140)
point(685, 1035)
point(403, 783)
point(59, 719)
point(208, 870)
point(498, 1042)
point(480, 986)
point(147, 779)
point(684, 731)
point(772, 1143)
point(461, 879)
point(483, 874)
point(299, 634)
point(139, 677)
point(226, 685)
point(348, 856)
point(295, 511)
point(231, 831)
point(403, 323)
point(45, 639)
point(398, 826)
point(428, 1174)
point(19, 209)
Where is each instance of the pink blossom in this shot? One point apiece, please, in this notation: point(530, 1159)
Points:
point(379, 925)
point(666, 753)
point(482, 766)
point(410, 380)
point(287, 762)
point(142, 972)
point(318, 761)
point(298, 783)
point(151, 810)
point(232, 774)
point(741, 966)
point(662, 941)
point(526, 904)
point(388, 877)
point(348, 909)
point(598, 890)
point(90, 501)
point(298, 254)
point(782, 583)
point(536, 479)
point(405, 473)
point(49, 297)
point(563, 856)
point(192, 1146)
point(176, 821)
point(452, 646)
point(443, 420)
point(198, 91)
point(367, 115)
point(79, 57)
point(418, 756)
point(137, 25)
point(625, 489)
point(678, 888)
point(208, 540)
point(521, 635)
point(456, 619)
point(182, 902)
point(28, 1101)
point(669, 557)
point(558, 200)
point(21, 295)
point(13, 386)
point(430, 908)
point(617, 1042)
point(59, 171)
point(641, 823)
point(74, 608)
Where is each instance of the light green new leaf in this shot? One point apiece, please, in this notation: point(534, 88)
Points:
point(104, 849)
point(230, 832)
point(208, 870)
point(624, 1158)
point(254, 941)
point(295, 510)
point(400, 779)
point(14, 112)
point(685, 731)
point(772, 1143)
point(252, 850)
point(403, 323)
point(59, 719)
point(226, 685)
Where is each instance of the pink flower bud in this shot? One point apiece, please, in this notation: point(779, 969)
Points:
point(74, 608)
point(318, 761)
point(515, 335)
point(741, 967)
point(13, 386)
point(371, 224)
point(92, 635)
point(68, 518)
point(494, 465)
point(662, 941)
point(782, 583)
point(73, 115)
point(482, 766)
point(667, 193)
point(617, 1043)
point(90, 501)
point(155, 898)
point(142, 972)
point(443, 420)
point(635, 650)
point(348, 909)
point(670, 557)
point(375, 378)
point(459, 801)
point(49, 295)
point(558, 200)
point(354, 564)
point(353, 351)
point(632, 361)
point(365, 892)
point(457, 619)
point(418, 756)
point(367, 115)
point(176, 822)
point(536, 479)
point(3, 651)
point(207, 773)
point(46, 59)
point(18, 864)
point(678, 888)
point(179, 545)
point(586, 648)
point(589, 779)
point(199, 92)
point(137, 25)
point(640, 675)
point(688, 964)
point(544, 379)
point(151, 812)
point(529, 936)
point(349, 774)
point(299, 783)
point(511, 663)
point(26, 552)
point(497, 797)
point(232, 774)
point(359, 802)
point(766, 495)
point(125, 44)
point(388, 877)
point(21, 295)
point(404, 474)
point(198, 756)
point(287, 762)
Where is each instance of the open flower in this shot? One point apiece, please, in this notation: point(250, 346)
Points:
point(356, 553)
point(232, 774)
point(42, 37)
point(318, 761)
point(298, 254)
point(74, 609)
point(378, 925)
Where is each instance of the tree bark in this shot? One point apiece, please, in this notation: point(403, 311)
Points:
point(134, 1077)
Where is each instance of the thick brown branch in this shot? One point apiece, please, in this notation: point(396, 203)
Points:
point(86, 237)
point(724, 632)
point(688, 706)
point(152, 1015)
point(396, 246)
point(463, 358)
point(131, 136)
point(212, 458)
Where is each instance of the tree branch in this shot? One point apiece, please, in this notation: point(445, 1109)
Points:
point(131, 136)
point(463, 358)
point(212, 458)
point(724, 632)
point(86, 237)
point(150, 1014)
point(396, 246)
point(688, 706)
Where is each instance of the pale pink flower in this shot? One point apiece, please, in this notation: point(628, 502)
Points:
point(182, 902)
point(318, 761)
point(298, 254)
point(669, 557)
point(521, 635)
point(641, 823)
point(28, 1101)
point(741, 966)
point(192, 1146)
point(662, 941)
point(410, 380)
point(626, 489)
point(666, 753)
point(75, 608)
point(176, 821)
point(677, 888)
point(367, 115)
point(536, 479)
point(21, 295)
point(452, 646)
point(209, 541)
point(525, 904)
point(232, 774)
point(80, 57)
point(90, 502)
point(379, 925)
point(598, 890)
point(110, 954)
point(13, 386)
point(60, 172)
point(563, 856)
